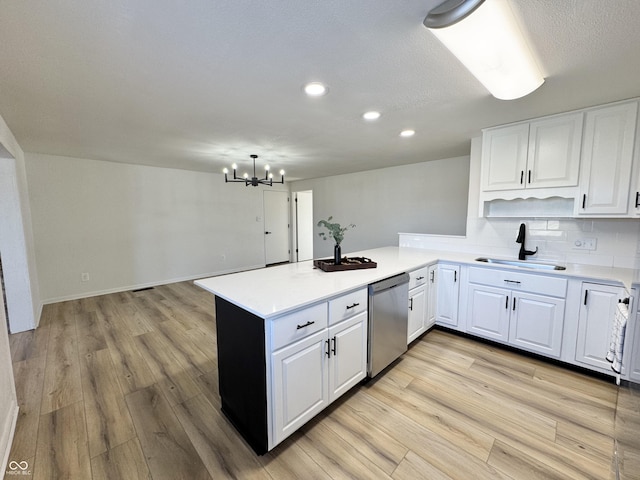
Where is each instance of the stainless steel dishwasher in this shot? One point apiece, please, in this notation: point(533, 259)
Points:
point(388, 319)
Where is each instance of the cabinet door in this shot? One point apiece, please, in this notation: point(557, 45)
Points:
point(504, 157)
point(553, 158)
point(488, 311)
point(432, 298)
point(536, 323)
point(448, 293)
point(634, 365)
point(348, 361)
point(300, 383)
point(607, 154)
point(599, 303)
point(417, 304)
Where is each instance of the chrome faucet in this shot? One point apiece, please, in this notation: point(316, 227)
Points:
point(522, 255)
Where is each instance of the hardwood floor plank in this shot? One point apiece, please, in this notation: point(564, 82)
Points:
point(167, 448)
point(447, 457)
point(516, 464)
point(124, 462)
point(62, 448)
point(472, 395)
point(130, 367)
point(62, 372)
point(288, 461)
point(414, 467)
point(29, 344)
point(29, 379)
point(108, 421)
point(222, 450)
point(90, 336)
point(174, 378)
point(440, 421)
point(584, 441)
point(332, 454)
point(365, 441)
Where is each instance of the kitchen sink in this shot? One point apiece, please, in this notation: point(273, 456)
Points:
point(521, 264)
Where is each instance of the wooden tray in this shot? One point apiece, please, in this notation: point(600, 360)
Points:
point(348, 263)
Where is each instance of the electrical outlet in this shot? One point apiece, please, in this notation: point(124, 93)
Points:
point(585, 243)
point(84, 277)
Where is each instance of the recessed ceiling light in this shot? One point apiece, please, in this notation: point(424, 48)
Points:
point(315, 89)
point(407, 133)
point(372, 115)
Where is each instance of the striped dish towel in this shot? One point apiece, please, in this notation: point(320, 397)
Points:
point(614, 355)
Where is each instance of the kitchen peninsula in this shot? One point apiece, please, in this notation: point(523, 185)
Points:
point(292, 338)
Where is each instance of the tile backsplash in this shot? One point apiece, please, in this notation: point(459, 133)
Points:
point(617, 241)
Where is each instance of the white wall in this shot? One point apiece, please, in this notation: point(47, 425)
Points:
point(130, 226)
point(618, 240)
point(428, 197)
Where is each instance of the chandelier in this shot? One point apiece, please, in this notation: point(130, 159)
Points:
point(253, 181)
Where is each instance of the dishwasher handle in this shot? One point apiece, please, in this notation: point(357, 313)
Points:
point(388, 283)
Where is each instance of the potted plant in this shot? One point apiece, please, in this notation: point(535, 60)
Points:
point(337, 233)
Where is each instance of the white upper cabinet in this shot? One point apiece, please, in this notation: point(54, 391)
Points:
point(539, 154)
point(504, 157)
point(607, 159)
point(553, 158)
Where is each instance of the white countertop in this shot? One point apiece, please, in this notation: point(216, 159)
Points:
point(273, 291)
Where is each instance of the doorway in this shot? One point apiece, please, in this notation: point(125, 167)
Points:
point(276, 227)
point(303, 215)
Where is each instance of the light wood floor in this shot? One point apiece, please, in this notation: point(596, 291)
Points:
point(125, 386)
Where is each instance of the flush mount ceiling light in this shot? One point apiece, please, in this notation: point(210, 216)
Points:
point(485, 37)
point(315, 89)
point(253, 181)
point(372, 115)
point(407, 133)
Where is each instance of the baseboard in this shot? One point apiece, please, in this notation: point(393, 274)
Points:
point(147, 285)
point(6, 438)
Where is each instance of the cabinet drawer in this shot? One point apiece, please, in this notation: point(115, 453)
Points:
point(297, 325)
point(418, 277)
point(541, 284)
point(347, 306)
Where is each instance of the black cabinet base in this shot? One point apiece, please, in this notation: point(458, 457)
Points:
point(242, 372)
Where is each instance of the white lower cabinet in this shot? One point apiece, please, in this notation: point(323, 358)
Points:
point(348, 349)
point(300, 389)
point(531, 321)
point(448, 293)
point(599, 304)
point(488, 312)
point(634, 363)
point(314, 371)
point(432, 298)
point(417, 313)
point(418, 288)
point(536, 323)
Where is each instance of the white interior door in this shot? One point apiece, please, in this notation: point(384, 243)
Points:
point(276, 226)
point(304, 226)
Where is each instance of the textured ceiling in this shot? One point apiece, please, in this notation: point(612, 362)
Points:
point(203, 83)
